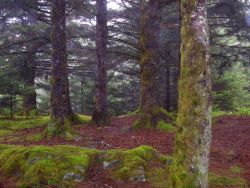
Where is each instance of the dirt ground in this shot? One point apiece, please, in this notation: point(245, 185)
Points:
point(230, 145)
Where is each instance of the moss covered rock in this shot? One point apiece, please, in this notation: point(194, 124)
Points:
point(45, 166)
point(132, 164)
point(65, 166)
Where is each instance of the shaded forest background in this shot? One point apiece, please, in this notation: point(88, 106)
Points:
point(25, 55)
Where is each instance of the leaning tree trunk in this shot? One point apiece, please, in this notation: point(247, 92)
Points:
point(60, 108)
point(100, 114)
point(149, 63)
point(192, 145)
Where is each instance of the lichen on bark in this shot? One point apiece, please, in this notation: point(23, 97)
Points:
point(192, 144)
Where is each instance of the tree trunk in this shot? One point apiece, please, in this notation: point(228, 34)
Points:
point(149, 63)
point(29, 98)
point(192, 145)
point(168, 90)
point(60, 108)
point(82, 97)
point(100, 114)
point(29, 69)
point(11, 105)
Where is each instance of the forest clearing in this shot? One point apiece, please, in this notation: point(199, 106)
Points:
point(124, 94)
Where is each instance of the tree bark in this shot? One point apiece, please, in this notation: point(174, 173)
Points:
point(29, 69)
point(192, 144)
point(100, 114)
point(29, 98)
point(82, 96)
point(11, 105)
point(168, 90)
point(149, 63)
point(60, 107)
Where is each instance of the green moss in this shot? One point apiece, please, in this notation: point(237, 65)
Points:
point(35, 137)
point(82, 119)
point(162, 125)
point(223, 181)
point(4, 147)
point(132, 162)
point(132, 113)
point(57, 127)
point(153, 117)
point(65, 131)
point(35, 166)
point(171, 115)
point(243, 111)
point(141, 123)
point(5, 133)
point(166, 159)
point(236, 170)
point(23, 123)
point(218, 113)
point(9, 127)
point(64, 166)
point(158, 177)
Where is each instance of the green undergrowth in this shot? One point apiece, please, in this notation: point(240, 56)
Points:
point(82, 119)
point(8, 127)
point(35, 137)
point(68, 132)
point(218, 113)
point(23, 123)
point(238, 112)
point(65, 166)
point(167, 127)
point(224, 181)
point(171, 115)
point(236, 170)
point(243, 111)
point(4, 133)
point(132, 113)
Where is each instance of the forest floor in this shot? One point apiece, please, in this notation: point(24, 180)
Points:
point(230, 151)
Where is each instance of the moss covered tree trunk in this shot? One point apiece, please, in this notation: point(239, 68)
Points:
point(192, 145)
point(60, 108)
point(149, 63)
point(100, 114)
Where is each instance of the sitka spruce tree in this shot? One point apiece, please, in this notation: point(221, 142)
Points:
point(29, 97)
point(149, 63)
point(60, 108)
point(100, 114)
point(193, 138)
